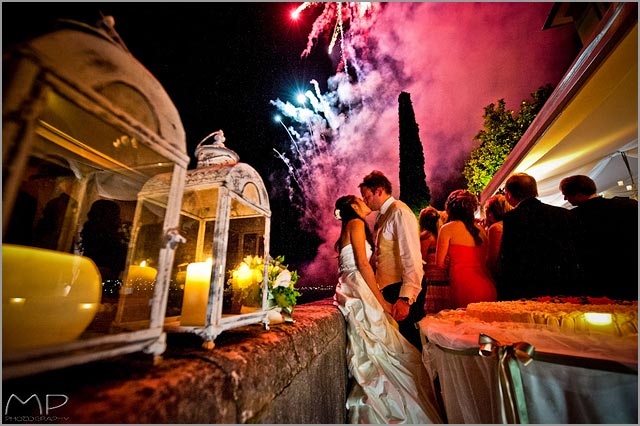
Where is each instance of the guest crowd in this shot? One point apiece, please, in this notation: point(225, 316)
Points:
point(526, 248)
point(389, 279)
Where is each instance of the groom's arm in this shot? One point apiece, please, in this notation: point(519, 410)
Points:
point(411, 258)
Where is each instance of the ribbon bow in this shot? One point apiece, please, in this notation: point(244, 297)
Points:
point(510, 389)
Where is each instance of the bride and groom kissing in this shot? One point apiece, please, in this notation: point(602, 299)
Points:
point(381, 307)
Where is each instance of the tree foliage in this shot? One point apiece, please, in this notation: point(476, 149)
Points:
point(503, 129)
point(413, 186)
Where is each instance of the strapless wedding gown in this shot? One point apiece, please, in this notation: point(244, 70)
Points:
point(390, 384)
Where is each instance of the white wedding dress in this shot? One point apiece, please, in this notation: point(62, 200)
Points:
point(390, 384)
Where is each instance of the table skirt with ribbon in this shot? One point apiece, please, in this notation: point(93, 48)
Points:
point(527, 373)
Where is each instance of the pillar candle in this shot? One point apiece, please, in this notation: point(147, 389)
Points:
point(140, 277)
point(196, 293)
point(243, 276)
point(48, 297)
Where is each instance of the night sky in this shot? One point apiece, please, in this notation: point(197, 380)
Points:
point(221, 64)
point(233, 66)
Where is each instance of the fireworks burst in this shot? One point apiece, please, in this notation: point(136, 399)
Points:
point(423, 48)
point(338, 15)
point(330, 133)
point(313, 160)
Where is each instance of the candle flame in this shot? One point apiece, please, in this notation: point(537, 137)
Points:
point(598, 318)
point(143, 263)
point(244, 271)
point(86, 306)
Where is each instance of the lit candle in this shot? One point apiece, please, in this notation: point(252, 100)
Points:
point(245, 285)
point(196, 293)
point(243, 276)
point(48, 297)
point(140, 277)
point(601, 321)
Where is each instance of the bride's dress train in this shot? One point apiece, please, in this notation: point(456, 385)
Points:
point(390, 384)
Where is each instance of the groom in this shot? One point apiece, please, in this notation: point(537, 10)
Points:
point(398, 262)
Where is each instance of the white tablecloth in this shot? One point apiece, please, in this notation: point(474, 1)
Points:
point(594, 381)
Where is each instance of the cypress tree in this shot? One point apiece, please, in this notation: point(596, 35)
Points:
point(413, 186)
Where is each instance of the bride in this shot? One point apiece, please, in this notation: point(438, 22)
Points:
point(390, 384)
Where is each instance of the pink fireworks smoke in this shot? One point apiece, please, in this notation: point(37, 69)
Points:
point(453, 58)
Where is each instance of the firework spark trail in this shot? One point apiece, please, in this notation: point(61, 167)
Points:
point(337, 30)
point(293, 140)
point(319, 27)
point(292, 171)
point(300, 8)
point(338, 12)
point(342, 48)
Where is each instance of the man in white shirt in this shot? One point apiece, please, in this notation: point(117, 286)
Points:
point(397, 260)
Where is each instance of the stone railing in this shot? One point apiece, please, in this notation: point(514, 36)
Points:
point(292, 373)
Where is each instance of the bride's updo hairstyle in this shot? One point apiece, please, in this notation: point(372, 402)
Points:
point(462, 205)
point(344, 212)
point(344, 209)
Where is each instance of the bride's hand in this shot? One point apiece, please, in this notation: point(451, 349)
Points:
point(388, 307)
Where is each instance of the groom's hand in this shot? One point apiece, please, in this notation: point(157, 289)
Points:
point(400, 310)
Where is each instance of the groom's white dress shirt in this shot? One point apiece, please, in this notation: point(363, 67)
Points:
point(401, 226)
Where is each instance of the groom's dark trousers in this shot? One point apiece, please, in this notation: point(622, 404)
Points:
point(408, 327)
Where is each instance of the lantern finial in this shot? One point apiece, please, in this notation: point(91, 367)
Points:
point(216, 154)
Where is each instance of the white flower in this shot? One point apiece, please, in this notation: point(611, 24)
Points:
point(283, 279)
point(336, 213)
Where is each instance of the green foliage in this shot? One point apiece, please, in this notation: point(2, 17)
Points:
point(281, 283)
point(283, 292)
point(503, 129)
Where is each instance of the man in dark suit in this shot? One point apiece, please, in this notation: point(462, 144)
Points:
point(538, 255)
point(608, 245)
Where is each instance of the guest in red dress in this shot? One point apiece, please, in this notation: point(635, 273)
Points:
point(466, 243)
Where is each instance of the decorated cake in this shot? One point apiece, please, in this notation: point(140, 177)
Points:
point(570, 314)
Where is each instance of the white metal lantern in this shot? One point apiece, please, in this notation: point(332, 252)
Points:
point(219, 280)
point(85, 125)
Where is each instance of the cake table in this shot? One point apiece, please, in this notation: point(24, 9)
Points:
point(529, 373)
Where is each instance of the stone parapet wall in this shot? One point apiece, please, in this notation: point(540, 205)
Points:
point(292, 373)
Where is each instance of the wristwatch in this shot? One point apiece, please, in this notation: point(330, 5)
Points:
point(406, 299)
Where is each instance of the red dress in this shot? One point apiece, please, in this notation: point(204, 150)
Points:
point(469, 277)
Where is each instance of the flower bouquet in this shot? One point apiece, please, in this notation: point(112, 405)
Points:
point(282, 295)
point(245, 284)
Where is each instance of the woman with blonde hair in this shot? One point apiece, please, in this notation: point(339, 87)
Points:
point(466, 244)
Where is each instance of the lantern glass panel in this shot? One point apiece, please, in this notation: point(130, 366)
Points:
point(197, 224)
point(65, 247)
point(142, 271)
point(245, 253)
